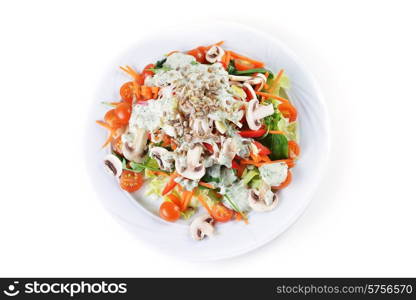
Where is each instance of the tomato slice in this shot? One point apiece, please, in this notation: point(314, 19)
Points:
point(169, 211)
point(221, 214)
point(209, 147)
point(131, 181)
point(243, 65)
point(112, 120)
point(123, 112)
point(199, 54)
point(263, 150)
point(126, 92)
point(252, 133)
point(294, 149)
point(288, 111)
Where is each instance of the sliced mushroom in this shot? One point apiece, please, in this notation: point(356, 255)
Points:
point(228, 151)
point(250, 90)
point(261, 200)
point(164, 158)
point(214, 54)
point(255, 112)
point(193, 169)
point(258, 79)
point(201, 227)
point(238, 78)
point(113, 165)
point(134, 150)
point(200, 127)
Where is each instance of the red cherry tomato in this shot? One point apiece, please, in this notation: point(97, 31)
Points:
point(199, 54)
point(112, 120)
point(131, 181)
point(169, 211)
point(123, 112)
point(243, 65)
point(126, 92)
point(221, 214)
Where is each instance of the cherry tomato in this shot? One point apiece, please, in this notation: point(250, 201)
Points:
point(252, 133)
point(199, 54)
point(263, 150)
point(288, 111)
point(112, 120)
point(131, 181)
point(146, 72)
point(294, 149)
point(126, 92)
point(284, 183)
point(169, 211)
point(221, 214)
point(123, 112)
point(243, 65)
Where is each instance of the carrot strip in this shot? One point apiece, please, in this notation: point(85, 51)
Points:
point(171, 52)
point(276, 81)
point(160, 173)
point(204, 203)
point(257, 63)
point(276, 132)
point(155, 91)
point(272, 96)
point(207, 185)
point(103, 124)
point(171, 184)
point(175, 199)
point(187, 196)
point(129, 70)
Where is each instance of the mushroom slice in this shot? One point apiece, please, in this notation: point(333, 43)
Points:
point(238, 78)
point(164, 158)
point(201, 227)
point(200, 127)
point(193, 169)
point(258, 79)
point(255, 112)
point(228, 152)
point(262, 200)
point(113, 165)
point(133, 151)
point(214, 54)
point(250, 90)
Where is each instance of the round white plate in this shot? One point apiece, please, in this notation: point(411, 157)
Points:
point(233, 238)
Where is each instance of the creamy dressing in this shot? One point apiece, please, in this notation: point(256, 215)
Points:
point(274, 174)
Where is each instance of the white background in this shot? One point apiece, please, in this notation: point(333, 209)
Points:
point(361, 221)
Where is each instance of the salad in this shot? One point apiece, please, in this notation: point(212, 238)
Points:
point(208, 132)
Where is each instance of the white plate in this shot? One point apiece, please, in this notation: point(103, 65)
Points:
point(233, 238)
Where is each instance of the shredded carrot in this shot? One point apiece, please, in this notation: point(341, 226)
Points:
point(257, 63)
point(264, 158)
point(187, 196)
point(129, 70)
point(266, 75)
point(255, 157)
point(218, 44)
point(276, 81)
point(146, 92)
point(175, 199)
point(239, 217)
point(160, 173)
point(204, 203)
point(104, 124)
point(171, 52)
point(173, 145)
point(207, 185)
point(276, 132)
point(267, 95)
